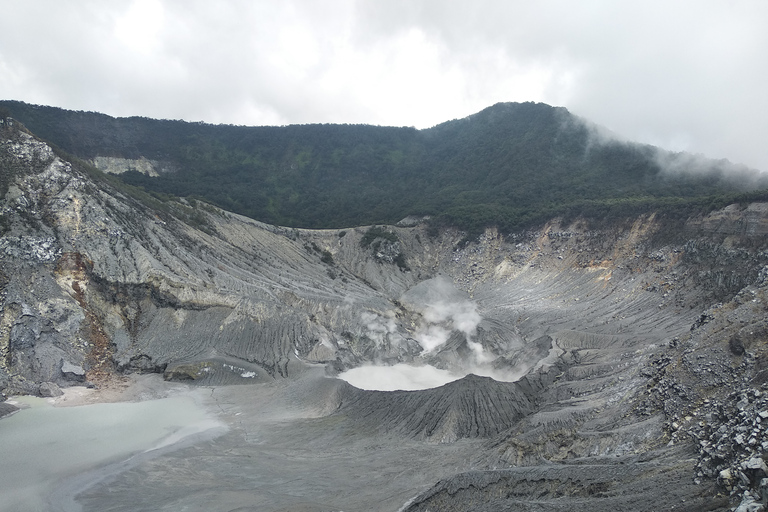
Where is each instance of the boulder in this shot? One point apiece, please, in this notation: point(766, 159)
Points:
point(757, 464)
point(72, 371)
point(749, 504)
point(50, 389)
point(725, 478)
point(6, 409)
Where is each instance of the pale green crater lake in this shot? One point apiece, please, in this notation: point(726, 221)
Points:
point(49, 454)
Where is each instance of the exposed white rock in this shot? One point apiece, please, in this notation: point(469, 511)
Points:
point(114, 165)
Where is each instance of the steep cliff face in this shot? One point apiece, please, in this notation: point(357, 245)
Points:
point(625, 338)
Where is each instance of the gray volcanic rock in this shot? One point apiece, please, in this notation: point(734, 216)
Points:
point(634, 357)
point(50, 389)
point(6, 409)
point(626, 483)
point(72, 371)
point(131, 290)
point(471, 407)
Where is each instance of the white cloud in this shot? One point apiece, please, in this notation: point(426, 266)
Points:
point(139, 27)
point(687, 75)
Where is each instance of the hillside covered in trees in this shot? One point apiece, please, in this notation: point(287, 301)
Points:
point(510, 165)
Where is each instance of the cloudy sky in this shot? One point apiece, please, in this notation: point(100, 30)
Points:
point(682, 74)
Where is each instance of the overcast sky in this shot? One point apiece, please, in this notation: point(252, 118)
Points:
point(684, 75)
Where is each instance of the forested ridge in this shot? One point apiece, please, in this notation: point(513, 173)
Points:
point(509, 165)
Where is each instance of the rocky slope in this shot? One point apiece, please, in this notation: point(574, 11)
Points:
point(638, 350)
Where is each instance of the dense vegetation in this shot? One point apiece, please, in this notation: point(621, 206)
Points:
point(510, 165)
